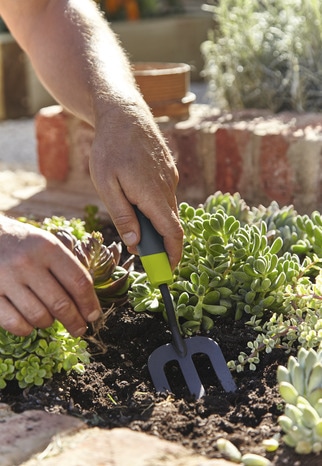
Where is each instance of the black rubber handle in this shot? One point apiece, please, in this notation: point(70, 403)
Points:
point(151, 241)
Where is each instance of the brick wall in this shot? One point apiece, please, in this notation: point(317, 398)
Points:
point(262, 156)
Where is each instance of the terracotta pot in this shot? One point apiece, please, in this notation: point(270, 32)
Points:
point(165, 87)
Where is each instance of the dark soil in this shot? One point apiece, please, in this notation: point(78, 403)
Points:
point(116, 391)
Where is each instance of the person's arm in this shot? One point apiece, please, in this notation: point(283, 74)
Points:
point(79, 60)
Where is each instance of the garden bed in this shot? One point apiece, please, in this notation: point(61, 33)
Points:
point(116, 391)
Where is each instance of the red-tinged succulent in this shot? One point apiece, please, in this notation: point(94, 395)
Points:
point(111, 281)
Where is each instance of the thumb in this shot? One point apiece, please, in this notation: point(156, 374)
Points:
point(127, 225)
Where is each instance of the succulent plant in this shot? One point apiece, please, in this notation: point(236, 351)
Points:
point(231, 452)
point(238, 261)
point(33, 359)
point(111, 281)
point(300, 385)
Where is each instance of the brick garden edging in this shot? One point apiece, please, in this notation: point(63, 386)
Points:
point(264, 157)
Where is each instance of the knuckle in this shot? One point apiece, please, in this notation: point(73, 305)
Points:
point(83, 282)
point(16, 324)
point(20, 261)
point(61, 306)
point(123, 221)
point(39, 318)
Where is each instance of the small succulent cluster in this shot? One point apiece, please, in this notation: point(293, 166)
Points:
point(300, 385)
point(33, 359)
point(111, 281)
point(264, 263)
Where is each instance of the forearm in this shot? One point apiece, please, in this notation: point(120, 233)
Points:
point(93, 71)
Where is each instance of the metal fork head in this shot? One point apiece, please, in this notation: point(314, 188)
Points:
point(194, 345)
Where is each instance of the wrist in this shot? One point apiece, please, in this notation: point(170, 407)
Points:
point(121, 109)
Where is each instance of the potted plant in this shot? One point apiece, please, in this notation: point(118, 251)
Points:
point(165, 87)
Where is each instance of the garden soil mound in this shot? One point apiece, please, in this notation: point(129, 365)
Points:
point(116, 391)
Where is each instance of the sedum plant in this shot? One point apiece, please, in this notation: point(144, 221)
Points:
point(259, 264)
point(300, 385)
point(33, 359)
point(262, 265)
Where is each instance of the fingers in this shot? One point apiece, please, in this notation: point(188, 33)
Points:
point(75, 302)
point(47, 300)
point(11, 319)
point(150, 199)
point(41, 280)
point(167, 224)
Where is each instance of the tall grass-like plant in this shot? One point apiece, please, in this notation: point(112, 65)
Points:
point(265, 54)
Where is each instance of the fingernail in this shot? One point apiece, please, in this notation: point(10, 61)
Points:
point(79, 332)
point(130, 238)
point(94, 315)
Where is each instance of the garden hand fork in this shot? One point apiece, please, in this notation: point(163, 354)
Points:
point(157, 267)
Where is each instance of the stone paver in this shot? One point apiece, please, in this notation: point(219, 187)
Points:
point(35, 437)
point(27, 433)
point(118, 447)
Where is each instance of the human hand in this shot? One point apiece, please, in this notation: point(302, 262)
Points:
point(41, 280)
point(132, 165)
point(130, 162)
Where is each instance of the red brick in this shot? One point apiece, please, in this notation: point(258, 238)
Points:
point(275, 173)
point(228, 160)
point(52, 143)
point(262, 156)
point(191, 183)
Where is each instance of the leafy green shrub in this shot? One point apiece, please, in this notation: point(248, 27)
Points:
point(261, 264)
point(265, 54)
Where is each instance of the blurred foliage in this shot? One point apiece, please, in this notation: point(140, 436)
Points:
point(265, 54)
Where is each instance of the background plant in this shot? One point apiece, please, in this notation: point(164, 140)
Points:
point(262, 265)
point(265, 54)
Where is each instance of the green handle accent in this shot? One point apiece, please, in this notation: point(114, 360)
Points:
point(157, 268)
point(152, 253)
